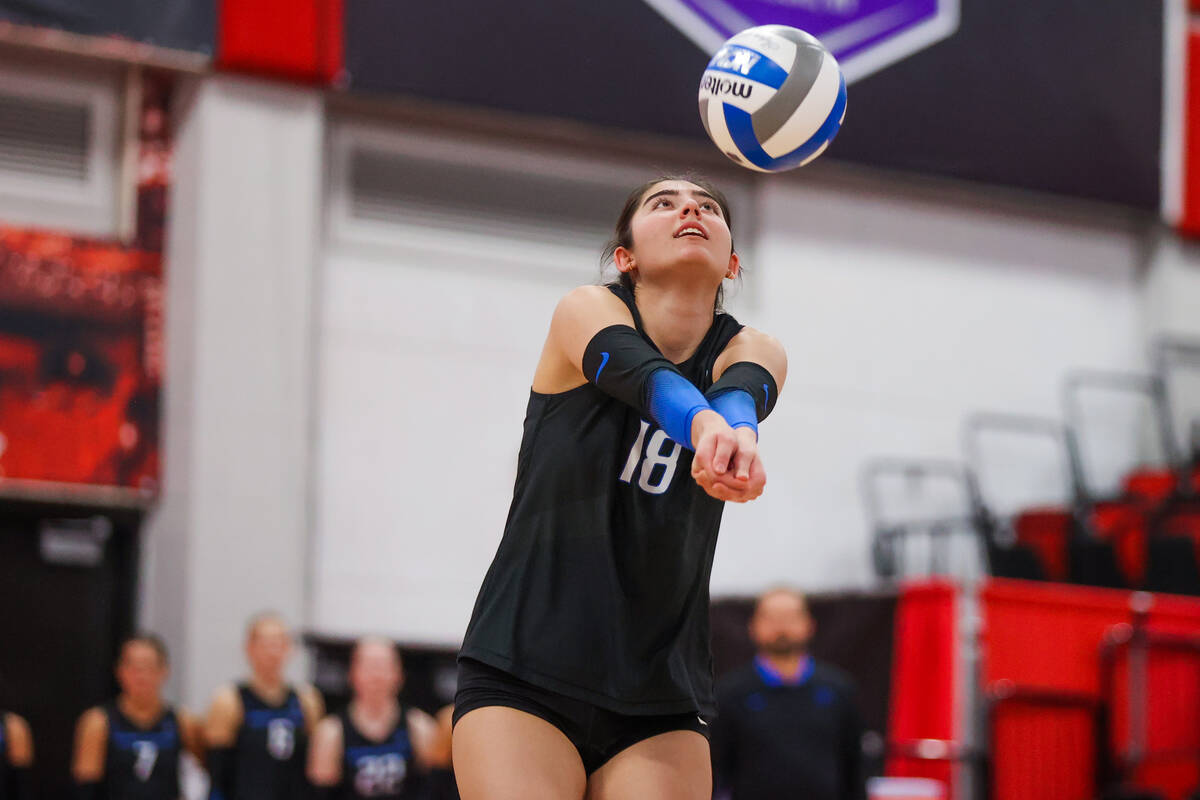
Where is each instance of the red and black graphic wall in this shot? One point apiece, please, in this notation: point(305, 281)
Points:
point(81, 341)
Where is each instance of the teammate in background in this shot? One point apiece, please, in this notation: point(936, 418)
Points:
point(375, 748)
point(16, 758)
point(787, 725)
point(585, 669)
point(258, 731)
point(130, 748)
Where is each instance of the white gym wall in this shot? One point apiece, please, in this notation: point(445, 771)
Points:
point(348, 367)
point(228, 537)
point(902, 310)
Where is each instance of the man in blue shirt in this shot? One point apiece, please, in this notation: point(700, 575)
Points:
point(787, 727)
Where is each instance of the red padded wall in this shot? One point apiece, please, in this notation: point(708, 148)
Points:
point(300, 40)
point(1048, 637)
point(923, 676)
point(1045, 637)
point(1189, 221)
point(1043, 753)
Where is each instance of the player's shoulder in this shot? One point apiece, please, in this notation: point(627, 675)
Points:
point(226, 703)
point(329, 730)
point(228, 694)
point(15, 726)
point(184, 717)
point(17, 739)
point(588, 299)
point(306, 691)
point(94, 721)
point(311, 701)
point(751, 344)
point(753, 337)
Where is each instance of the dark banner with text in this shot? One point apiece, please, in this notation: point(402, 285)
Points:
point(177, 24)
point(1060, 96)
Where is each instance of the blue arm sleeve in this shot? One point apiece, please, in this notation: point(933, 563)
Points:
point(753, 379)
point(738, 408)
point(674, 402)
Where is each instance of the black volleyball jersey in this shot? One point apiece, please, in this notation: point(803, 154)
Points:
point(271, 749)
point(377, 769)
point(599, 588)
point(142, 763)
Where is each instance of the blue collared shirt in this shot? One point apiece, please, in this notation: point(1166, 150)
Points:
point(771, 677)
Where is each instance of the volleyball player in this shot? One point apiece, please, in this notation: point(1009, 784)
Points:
point(585, 668)
point(16, 758)
point(130, 748)
point(375, 748)
point(258, 731)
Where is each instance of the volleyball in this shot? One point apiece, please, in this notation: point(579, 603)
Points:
point(772, 98)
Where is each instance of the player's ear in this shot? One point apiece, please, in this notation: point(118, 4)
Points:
point(624, 260)
point(735, 265)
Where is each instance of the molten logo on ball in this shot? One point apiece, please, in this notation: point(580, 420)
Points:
point(718, 86)
point(772, 98)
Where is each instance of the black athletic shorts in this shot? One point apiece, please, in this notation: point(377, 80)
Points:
point(597, 733)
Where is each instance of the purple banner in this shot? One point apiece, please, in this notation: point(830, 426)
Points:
point(864, 35)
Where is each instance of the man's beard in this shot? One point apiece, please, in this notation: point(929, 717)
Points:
point(783, 646)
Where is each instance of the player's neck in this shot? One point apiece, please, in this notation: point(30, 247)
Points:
point(140, 710)
point(271, 689)
point(676, 317)
point(375, 716)
point(376, 707)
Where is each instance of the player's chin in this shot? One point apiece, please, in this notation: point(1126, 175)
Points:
point(702, 256)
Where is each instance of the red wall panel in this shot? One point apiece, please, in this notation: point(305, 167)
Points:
point(924, 675)
point(1189, 220)
point(299, 40)
point(1049, 637)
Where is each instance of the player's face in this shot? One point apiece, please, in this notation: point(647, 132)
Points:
point(140, 671)
point(268, 649)
point(678, 224)
point(375, 673)
point(781, 624)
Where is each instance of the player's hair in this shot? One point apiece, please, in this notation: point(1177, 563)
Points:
point(381, 640)
point(152, 640)
point(623, 232)
point(262, 617)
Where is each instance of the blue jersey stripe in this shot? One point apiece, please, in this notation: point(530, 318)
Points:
point(163, 740)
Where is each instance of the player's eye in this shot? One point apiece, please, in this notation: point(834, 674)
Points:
point(662, 201)
point(709, 207)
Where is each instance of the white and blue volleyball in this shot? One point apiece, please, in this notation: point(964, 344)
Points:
point(772, 98)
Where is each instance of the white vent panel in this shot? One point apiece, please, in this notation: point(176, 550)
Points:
point(60, 136)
